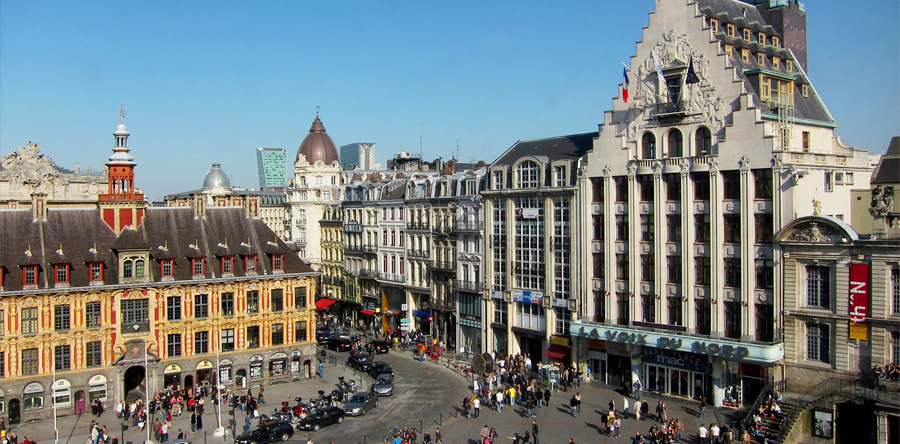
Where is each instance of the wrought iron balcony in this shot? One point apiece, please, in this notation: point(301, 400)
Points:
point(469, 225)
point(671, 109)
point(468, 286)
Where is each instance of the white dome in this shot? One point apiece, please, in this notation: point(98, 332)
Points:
point(216, 178)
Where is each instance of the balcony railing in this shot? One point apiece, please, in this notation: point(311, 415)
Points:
point(469, 225)
point(468, 286)
point(392, 277)
point(671, 109)
point(356, 249)
point(371, 249)
point(417, 254)
point(368, 273)
point(417, 225)
point(445, 265)
point(443, 229)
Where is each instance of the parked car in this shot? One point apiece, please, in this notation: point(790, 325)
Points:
point(361, 403)
point(360, 361)
point(321, 418)
point(338, 344)
point(381, 346)
point(384, 385)
point(267, 432)
point(322, 336)
point(380, 368)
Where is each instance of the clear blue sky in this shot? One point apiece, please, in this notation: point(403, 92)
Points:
point(206, 81)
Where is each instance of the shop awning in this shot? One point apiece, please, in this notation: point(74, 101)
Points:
point(324, 303)
point(557, 351)
point(367, 312)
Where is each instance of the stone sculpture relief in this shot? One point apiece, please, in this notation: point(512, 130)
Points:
point(673, 50)
point(882, 200)
point(812, 232)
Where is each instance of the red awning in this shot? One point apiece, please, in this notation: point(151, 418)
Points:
point(324, 303)
point(367, 312)
point(557, 351)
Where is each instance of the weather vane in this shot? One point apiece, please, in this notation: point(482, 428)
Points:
point(121, 113)
point(317, 110)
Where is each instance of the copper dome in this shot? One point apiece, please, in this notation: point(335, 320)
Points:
point(318, 145)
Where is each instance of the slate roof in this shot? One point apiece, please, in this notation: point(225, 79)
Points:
point(888, 169)
point(569, 147)
point(66, 237)
point(78, 237)
point(744, 15)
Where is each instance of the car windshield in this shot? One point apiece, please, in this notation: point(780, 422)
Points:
point(358, 398)
point(384, 381)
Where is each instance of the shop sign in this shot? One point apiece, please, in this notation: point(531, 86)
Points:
point(859, 301)
point(527, 296)
point(204, 364)
point(560, 340)
point(172, 368)
point(559, 302)
point(496, 294)
point(676, 359)
point(724, 350)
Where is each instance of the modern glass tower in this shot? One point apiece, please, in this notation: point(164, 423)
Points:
point(360, 155)
point(271, 163)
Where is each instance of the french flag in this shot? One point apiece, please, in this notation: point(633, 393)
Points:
point(625, 89)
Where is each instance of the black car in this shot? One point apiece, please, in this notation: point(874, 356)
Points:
point(360, 361)
point(380, 347)
point(321, 418)
point(322, 336)
point(267, 432)
point(338, 344)
point(380, 368)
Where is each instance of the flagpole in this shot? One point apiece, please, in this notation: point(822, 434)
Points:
point(220, 431)
point(635, 75)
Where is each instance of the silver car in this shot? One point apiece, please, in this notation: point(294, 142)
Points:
point(384, 385)
point(360, 403)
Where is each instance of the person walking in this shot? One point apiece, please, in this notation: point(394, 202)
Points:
point(573, 403)
point(624, 408)
point(476, 406)
point(534, 432)
point(637, 389)
point(194, 421)
point(547, 396)
point(659, 411)
point(612, 404)
point(702, 406)
point(499, 401)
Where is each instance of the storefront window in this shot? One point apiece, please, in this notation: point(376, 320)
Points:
point(33, 398)
point(256, 370)
point(277, 368)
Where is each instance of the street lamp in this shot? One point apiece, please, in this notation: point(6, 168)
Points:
point(220, 431)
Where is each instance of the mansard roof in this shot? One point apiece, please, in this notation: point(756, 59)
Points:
point(79, 237)
point(571, 147)
point(888, 170)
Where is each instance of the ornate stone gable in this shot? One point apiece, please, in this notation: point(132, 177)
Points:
point(674, 51)
point(814, 232)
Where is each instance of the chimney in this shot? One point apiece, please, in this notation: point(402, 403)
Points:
point(199, 206)
point(789, 19)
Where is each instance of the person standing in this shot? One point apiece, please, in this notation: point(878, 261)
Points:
point(534, 432)
point(703, 434)
point(637, 389)
point(659, 411)
point(624, 408)
point(702, 406)
point(486, 434)
point(476, 406)
point(499, 401)
point(437, 434)
point(573, 403)
point(200, 420)
point(547, 397)
point(612, 404)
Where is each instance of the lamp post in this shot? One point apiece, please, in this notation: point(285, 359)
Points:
point(146, 389)
point(220, 431)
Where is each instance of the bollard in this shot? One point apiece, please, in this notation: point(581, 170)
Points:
point(364, 439)
point(441, 422)
point(204, 437)
point(420, 426)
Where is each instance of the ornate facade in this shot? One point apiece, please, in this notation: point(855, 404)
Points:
point(114, 302)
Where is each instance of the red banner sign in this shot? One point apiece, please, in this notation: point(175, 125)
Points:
point(859, 292)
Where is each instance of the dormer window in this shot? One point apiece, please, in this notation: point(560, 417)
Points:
point(804, 90)
point(133, 267)
point(197, 267)
point(731, 30)
point(528, 175)
point(228, 265)
point(61, 271)
point(729, 51)
point(166, 267)
point(761, 60)
point(776, 63)
point(250, 263)
point(277, 262)
point(559, 174)
point(747, 34)
point(96, 270)
point(761, 38)
point(498, 180)
point(776, 42)
point(714, 24)
point(789, 65)
point(29, 275)
point(745, 55)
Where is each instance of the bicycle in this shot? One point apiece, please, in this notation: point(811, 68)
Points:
point(389, 438)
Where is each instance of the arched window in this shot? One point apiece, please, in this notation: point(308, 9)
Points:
point(648, 146)
point(702, 141)
point(528, 175)
point(128, 268)
point(675, 144)
point(139, 268)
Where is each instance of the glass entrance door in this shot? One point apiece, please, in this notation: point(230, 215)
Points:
point(655, 378)
point(679, 382)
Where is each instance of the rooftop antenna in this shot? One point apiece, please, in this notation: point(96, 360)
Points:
point(317, 111)
point(457, 150)
point(421, 154)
